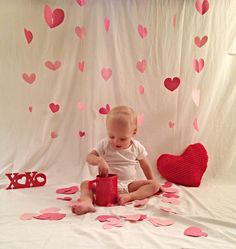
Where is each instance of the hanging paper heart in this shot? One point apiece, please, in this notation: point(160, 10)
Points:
point(196, 96)
point(29, 78)
point(141, 65)
point(141, 89)
point(30, 108)
point(174, 21)
point(195, 232)
point(140, 119)
point(53, 66)
point(54, 107)
point(81, 66)
point(28, 35)
point(172, 84)
point(81, 106)
point(142, 31)
point(54, 134)
point(203, 7)
point(195, 124)
point(53, 18)
point(171, 124)
point(198, 65)
point(104, 110)
point(106, 24)
point(106, 73)
point(80, 32)
point(200, 42)
point(81, 2)
point(81, 133)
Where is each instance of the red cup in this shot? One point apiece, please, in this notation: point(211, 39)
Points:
point(106, 190)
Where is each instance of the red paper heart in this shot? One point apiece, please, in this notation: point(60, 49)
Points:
point(172, 84)
point(29, 78)
point(200, 42)
point(186, 169)
point(53, 66)
point(104, 110)
point(141, 65)
point(53, 18)
point(28, 35)
point(81, 133)
point(203, 7)
point(54, 107)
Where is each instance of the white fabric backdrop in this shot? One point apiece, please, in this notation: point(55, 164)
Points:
point(169, 50)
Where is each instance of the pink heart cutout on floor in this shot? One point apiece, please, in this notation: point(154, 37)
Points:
point(50, 210)
point(29, 78)
point(200, 42)
point(170, 195)
point(167, 209)
point(172, 84)
point(132, 217)
point(106, 73)
point(28, 35)
point(80, 32)
point(167, 184)
point(159, 222)
point(53, 66)
point(50, 216)
point(81, 66)
point(106, 24)
point(195, 232)
point(81, 2)
point(142, 31)
point(141, 65)
point(141, 203)
point(69, 190)
point(203, 7)
point(53, 18)
point(54, 134)
point(54, 107)
point(104, 110)
point(198, 65)
point(169, 190)
point(66, 198)
point(28, 216)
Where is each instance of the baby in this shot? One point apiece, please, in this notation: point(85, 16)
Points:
point(120, 154)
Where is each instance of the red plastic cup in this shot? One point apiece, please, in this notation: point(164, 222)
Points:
point(106, 190)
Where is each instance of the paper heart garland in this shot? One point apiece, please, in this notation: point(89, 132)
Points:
point(195, 232)
point(172, 84)
point(54, 107)
point(53, 66)
point(203, 7)
point(186, 169)
point(104, 110)
point(29, 78)
point(28, 35)
point(200, 42)
point(142, 31)
point(141, 65)
point(106, 73)
point(53, 18)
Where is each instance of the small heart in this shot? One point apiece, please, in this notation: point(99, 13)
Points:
point(141, 65)
point(54, 107)
point(30, 108)
point(106, 73)
point(81, 133)
point(140, 119)
point(103, 218)
point(106, 24)
point(195, 124)
point(203, 7)
point(198, 65)
point(54, 134)
point(200, 42)
point(174, 21)
point(80, 32)
point(195, 232)
point(69, 190)
point(141, 203)
point(141, 89)
point(81, 2)
point(171, 124)
point(167, 209)
point(196, 96)
point(50, 216)
point(81, 66)
point(172, 84)
point(104, 110)
point(53, 66)
point(167, 184)
point(142, 31)
point(53, 18)
point(81, 106)
point(22, 180)
point(29, 78)
point(28, 35)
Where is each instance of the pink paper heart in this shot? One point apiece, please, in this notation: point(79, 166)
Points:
point(81, 66)
point(50, 216)
point(54, 134)
point(140, 119)
point(195, 124)
point(106, 73)
point(158, 222)
point(66, 198)
point(141, 65)
point(81, 133)
point(105, 110)
point(54, 107)
point(28, 216)
point(50, 210)
point(169, 190)
point(141, 89)
point(29, 78)
point(142, 31)
point(53, 18)
point(114, 221)
point(203, 7)
point(81, 2)
point(69, 190)
point(198, 65)
point(107, 24)
point(132, 217)
point(200, 42)
point(171, 124)
point(103, 218)
point(196, 96)
point(141, 203)
point(81, 106)
point(167, 209)
point(170, 195)
point(107, 226)
point(28, 35)
point(174, 21)
point(80, 32)
point(167, 184)
point(170, 200)
point(53, 66)
point(172, 84)
point(195, 232)
point(30, 108)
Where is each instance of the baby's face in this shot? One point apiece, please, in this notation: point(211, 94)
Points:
point(119, 135)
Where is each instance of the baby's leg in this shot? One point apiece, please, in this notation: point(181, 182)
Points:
point(139, 190)
point(86, 200)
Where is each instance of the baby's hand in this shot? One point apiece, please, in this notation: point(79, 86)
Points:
point(103, 167)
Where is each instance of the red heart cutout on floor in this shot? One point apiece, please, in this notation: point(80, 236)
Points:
point(186, 169)
point(172, 84)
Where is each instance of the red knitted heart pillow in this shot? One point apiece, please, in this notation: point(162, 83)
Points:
point(186, 169)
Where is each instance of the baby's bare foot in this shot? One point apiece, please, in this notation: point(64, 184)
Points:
point(83, 207)
point(124, 198)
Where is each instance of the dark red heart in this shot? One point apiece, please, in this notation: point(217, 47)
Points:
point(186, 169)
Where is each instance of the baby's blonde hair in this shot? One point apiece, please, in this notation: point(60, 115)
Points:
point(124, 115)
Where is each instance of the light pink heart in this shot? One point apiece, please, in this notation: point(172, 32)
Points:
point(167, 209)
point(202, 7)
point(106, 73)
point(30, 108)
point(80, 32)
point(53, 66)
point(196, 96)
point(103, 218)
point(104, 110)
point(141, 65)
point(140, 119)
point(172, 84)
point(141, 89)
point(106, 24)
point(81, 66)
point(200, 42)
point(81, 106)
point(132, 217)
point(195, 124)
point(50, 210)
point(81, 2)
point(170, 195)
point(54, 107)
point(54, 134)
point(50, 216)
point(174, 21)
point(53, 17)
point(68, 190)
point(107, 226)
point(29, 78)
point(28, 35)
point(198, 65)
point(169, 190)
point(171, 124)
point(142, 31)
point(195, 232)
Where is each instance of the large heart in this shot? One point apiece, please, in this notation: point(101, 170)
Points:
point(186, 169)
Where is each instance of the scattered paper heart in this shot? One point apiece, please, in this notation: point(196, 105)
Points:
point(167, 209)
point(28, 216)
point(53, 18)
point(169, 190)
point(28, 35)
point(50, 216)
point(170, 200)
point(69, 190)
point(195, 232)
point(167, 184)
point(66, 198)
point(170, 195)
point(50, 210)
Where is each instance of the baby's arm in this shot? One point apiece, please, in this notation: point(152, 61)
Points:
point(93, 158)
point(146, 167)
